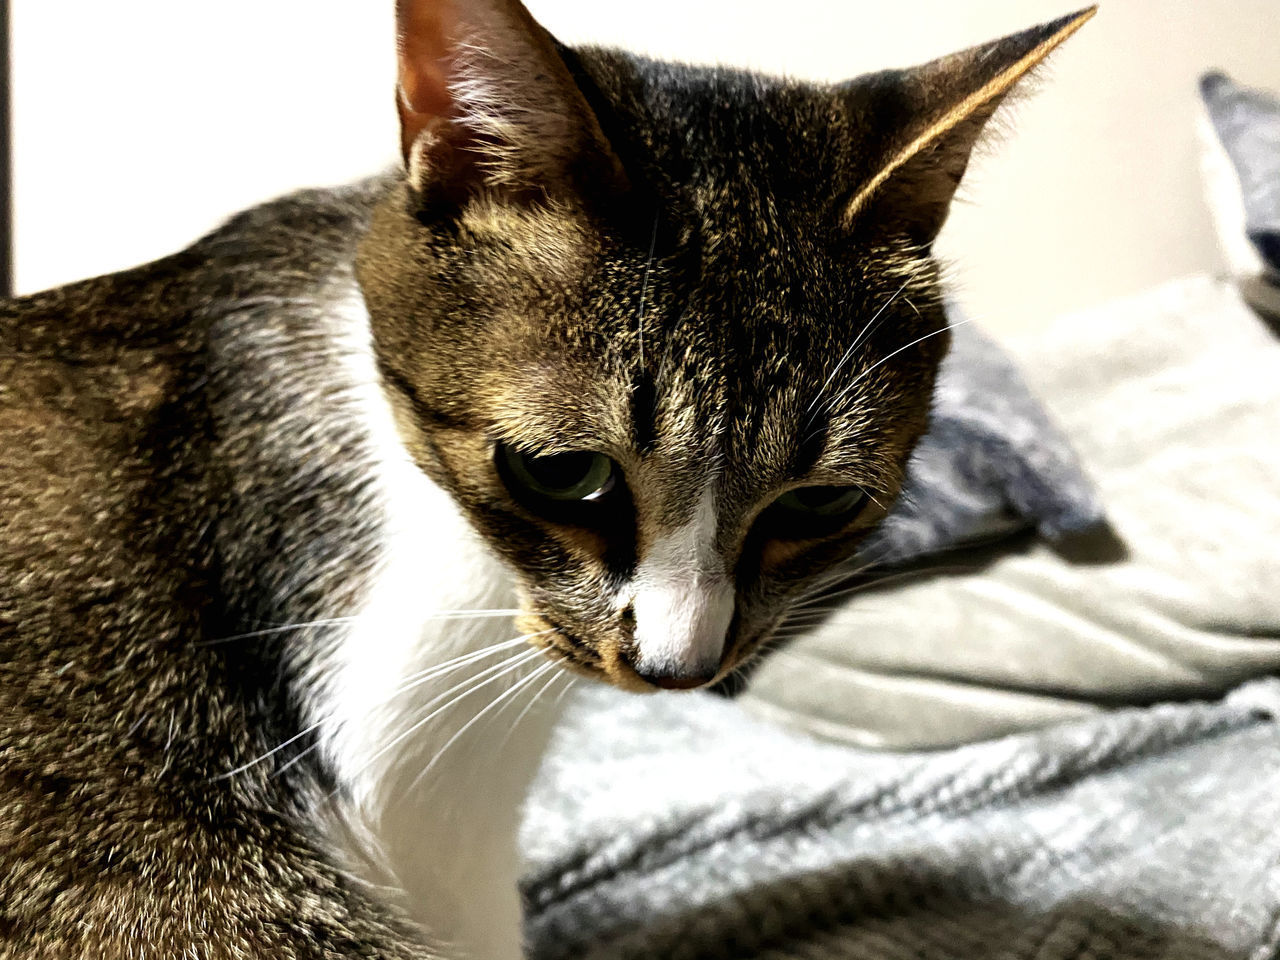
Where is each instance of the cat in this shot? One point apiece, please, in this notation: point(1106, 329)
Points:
point(628, 354)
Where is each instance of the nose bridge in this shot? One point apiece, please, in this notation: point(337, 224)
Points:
point(684, 599)
point(685, 553)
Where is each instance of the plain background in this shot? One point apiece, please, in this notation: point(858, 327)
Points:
point(140, 124)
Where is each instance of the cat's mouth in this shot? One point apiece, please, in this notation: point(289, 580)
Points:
point(563, 646)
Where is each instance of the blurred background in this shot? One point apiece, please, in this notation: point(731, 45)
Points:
point(139, 124)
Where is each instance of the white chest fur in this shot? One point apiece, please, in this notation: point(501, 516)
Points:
point(434, 714)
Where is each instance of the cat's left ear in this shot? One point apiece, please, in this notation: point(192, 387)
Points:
point(487, 101)
point(931, 117)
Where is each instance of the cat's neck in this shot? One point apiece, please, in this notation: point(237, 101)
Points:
point(432, 711)
point(424, 757)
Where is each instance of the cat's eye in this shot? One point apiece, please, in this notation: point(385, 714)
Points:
point(558, 477)
point(808, 512)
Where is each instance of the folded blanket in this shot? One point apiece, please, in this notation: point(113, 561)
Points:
point(993, 462)
point(1247, 123)
point(678, 828)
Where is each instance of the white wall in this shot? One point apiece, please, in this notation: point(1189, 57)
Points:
point(138, 124)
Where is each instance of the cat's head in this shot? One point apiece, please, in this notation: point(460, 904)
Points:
point(667, 334)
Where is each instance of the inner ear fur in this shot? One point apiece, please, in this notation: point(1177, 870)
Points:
point(935, 114)
point(486, 101)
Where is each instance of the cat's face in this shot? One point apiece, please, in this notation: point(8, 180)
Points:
point(673, 372)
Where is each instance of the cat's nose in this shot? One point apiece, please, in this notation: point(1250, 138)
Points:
point(680, 632)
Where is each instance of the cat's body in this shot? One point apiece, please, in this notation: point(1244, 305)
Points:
point(295, 422)
point(113, 583)
point(220, 417)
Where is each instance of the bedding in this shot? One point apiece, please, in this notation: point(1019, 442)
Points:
point(992, 463)
point(700, 833)
point(1247, 124)
point(1241, 167)
point(1062, 812)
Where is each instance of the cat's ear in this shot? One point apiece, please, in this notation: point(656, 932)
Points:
point(486, 100)
point(934, 114)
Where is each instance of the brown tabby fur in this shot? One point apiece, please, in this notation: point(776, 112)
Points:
point(626, 301)
point(172, 440)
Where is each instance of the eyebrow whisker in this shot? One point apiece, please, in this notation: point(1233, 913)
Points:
point(644, 287)
point(857, 341)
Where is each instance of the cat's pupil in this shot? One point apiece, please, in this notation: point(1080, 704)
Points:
point(564, 477)
point(823, 499)
point(560, 471)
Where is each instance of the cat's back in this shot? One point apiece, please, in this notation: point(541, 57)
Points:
point(119, 401)
point(105, 406)
point(85, 371)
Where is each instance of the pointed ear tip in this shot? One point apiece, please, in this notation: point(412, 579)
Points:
point(1046, 37)
point(1065, 26)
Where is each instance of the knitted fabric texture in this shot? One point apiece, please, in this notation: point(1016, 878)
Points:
point(679, 828)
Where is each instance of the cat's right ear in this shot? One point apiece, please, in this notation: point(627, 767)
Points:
point(487, 102)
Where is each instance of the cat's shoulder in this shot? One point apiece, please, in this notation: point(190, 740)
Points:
point(276, 248)
point(115, 343)
point(102, 381)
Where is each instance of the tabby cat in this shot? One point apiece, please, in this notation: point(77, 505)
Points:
point(629, 355)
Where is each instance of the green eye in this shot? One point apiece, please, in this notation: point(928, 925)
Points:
point(562, 477)
point(821, 501)
point(808, 512)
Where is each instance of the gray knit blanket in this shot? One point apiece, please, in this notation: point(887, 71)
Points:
point(678, 827)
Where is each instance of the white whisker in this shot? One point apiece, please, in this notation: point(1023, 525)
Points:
point(471, 685)
point(413, 680)
point(834, 577)
point(872, 497)
point(422, 676)
point(449, 666)
point(644, 287)
point(274, 631)
point(876, 582)
point(519, 685)
point(857, 341)
point(573, 682)
point(883, 360)
point(338, 621)
point(533, 700)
